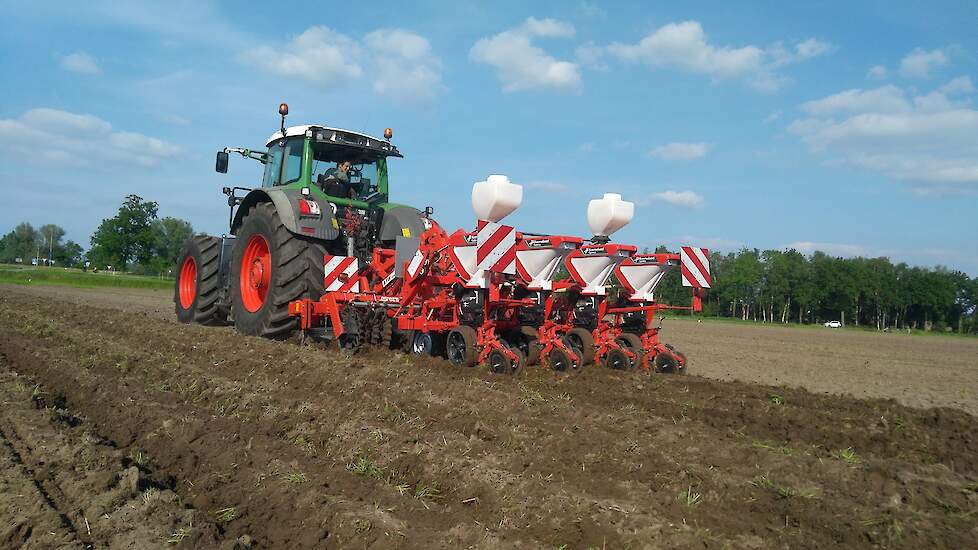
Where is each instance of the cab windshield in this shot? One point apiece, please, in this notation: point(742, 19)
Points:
point(362, 175)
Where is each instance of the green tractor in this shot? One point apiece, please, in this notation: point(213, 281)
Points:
point(324, 192)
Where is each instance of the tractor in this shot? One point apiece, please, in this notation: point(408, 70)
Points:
point(280, 232)
point(320, 248)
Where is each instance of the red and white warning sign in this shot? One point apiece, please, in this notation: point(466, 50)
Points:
point(415, 264)
point(695, 266)
point(341, 274)
point(496, 248)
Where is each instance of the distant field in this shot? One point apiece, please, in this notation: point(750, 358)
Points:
point(30, 275)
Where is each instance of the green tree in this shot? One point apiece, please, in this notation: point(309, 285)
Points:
point(127, 237)
point(23, 242)
point(169, 236)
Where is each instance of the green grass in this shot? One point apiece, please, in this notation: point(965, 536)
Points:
point(30, 275)
point(864, 328)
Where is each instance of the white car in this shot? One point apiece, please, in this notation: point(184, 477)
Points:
point(833, 324)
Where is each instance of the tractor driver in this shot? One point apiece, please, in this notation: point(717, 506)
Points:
point(335, 182)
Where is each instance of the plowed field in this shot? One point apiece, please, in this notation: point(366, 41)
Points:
point(120, 428)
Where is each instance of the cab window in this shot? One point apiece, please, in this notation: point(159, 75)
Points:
point(273, 165)
point(293, 162)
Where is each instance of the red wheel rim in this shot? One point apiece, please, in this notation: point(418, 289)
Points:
point(256, 273)
point(188, 282)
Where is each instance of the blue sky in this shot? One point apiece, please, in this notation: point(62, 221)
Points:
point(850, 128)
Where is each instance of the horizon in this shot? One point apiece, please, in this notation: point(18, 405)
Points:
point(729, 127)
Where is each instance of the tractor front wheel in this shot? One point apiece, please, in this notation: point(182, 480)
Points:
point(197, 287)
point(271, 267)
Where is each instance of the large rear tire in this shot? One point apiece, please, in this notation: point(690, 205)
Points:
point(197, 289)
point(271, 267)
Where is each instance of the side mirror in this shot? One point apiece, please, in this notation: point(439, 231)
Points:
point(222, 162)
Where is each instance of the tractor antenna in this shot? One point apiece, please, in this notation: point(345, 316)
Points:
point(283, 109)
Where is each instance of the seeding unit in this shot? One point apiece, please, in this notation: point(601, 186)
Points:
point(493, 295)
point(323, 250)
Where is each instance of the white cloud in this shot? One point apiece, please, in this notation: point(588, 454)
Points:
point(775, 115)
point(929, 139)
point(812, 48)
point(686, 199)
point(685, 46)
point(80, 62)
point(887, 99)
point(591, 56)
point(521, 65)
point(919, 63)
point(680, 151)
point(590, 10)
point(59, 137)
point(400, 62)
point(585, 147)
point(877, 71)
point(959, 85)
point(320, 56)
point(406, 68)
point(548, 28)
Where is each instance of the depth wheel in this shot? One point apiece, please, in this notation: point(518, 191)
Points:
point(271, 267)
point(616, 359)
point(632, 343)
point(498, 363)
point(423, 343)
point(665, 362)
point(560, 361)
point(527, 343)
point(460, 346)
point(197, 288)
point(581, 339)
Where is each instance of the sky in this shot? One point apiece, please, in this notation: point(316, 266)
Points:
point(846, 127)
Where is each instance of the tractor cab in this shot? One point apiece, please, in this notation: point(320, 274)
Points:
point(309, 156)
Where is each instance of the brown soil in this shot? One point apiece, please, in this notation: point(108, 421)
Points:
point(315, 448)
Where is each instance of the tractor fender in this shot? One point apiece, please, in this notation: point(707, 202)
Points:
point(401, 221)
point(286, 201)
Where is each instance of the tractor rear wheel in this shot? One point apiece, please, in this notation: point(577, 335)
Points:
point(271, 267)
point(581, 339)
point(460, 346)
point(197, 288)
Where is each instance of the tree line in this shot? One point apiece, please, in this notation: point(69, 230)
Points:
point(782, 286)
point(135, 240)
point(772, 286)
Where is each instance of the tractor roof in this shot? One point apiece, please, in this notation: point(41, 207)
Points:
point(340, 136)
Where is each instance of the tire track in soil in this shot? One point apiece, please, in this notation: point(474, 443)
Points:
point(593, 459)
point(99, 496)
point(38, 522)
